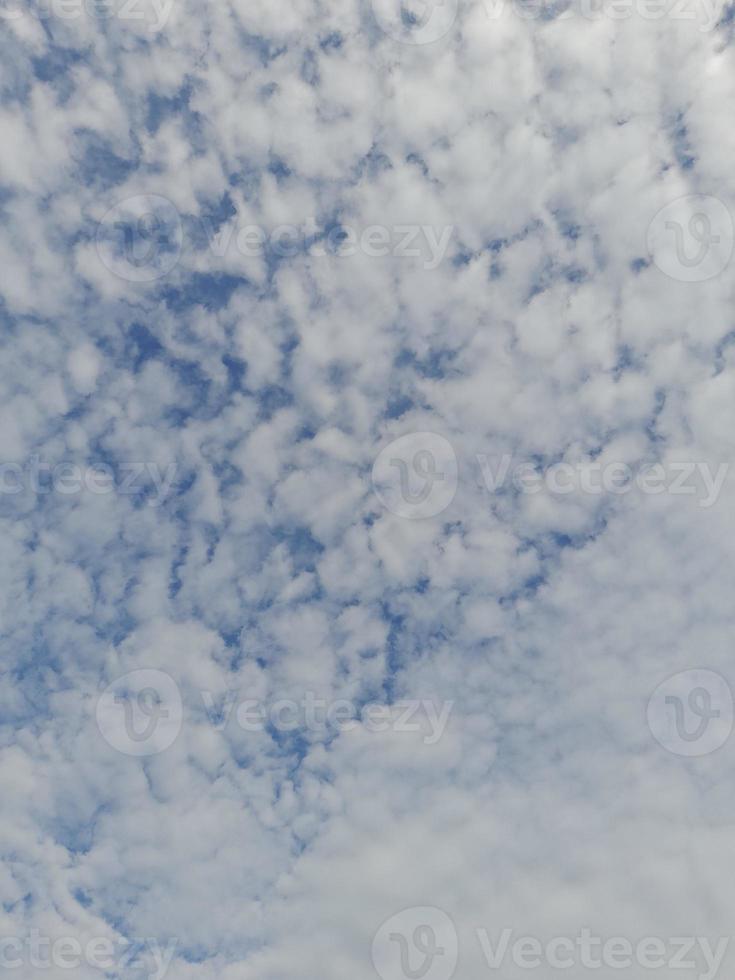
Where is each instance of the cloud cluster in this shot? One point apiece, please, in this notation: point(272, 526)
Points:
point(578, 314)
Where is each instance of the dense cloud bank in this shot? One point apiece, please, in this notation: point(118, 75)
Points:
point(247, 246)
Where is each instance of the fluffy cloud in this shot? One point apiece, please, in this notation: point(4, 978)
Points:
point(246, 248)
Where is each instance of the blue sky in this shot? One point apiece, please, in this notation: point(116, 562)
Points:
point(283, 285)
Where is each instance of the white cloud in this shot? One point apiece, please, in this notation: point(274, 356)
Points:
point(267, 385)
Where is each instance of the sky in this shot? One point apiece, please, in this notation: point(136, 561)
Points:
point(367, 514)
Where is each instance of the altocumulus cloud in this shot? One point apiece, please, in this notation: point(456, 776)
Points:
point(509, 236)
